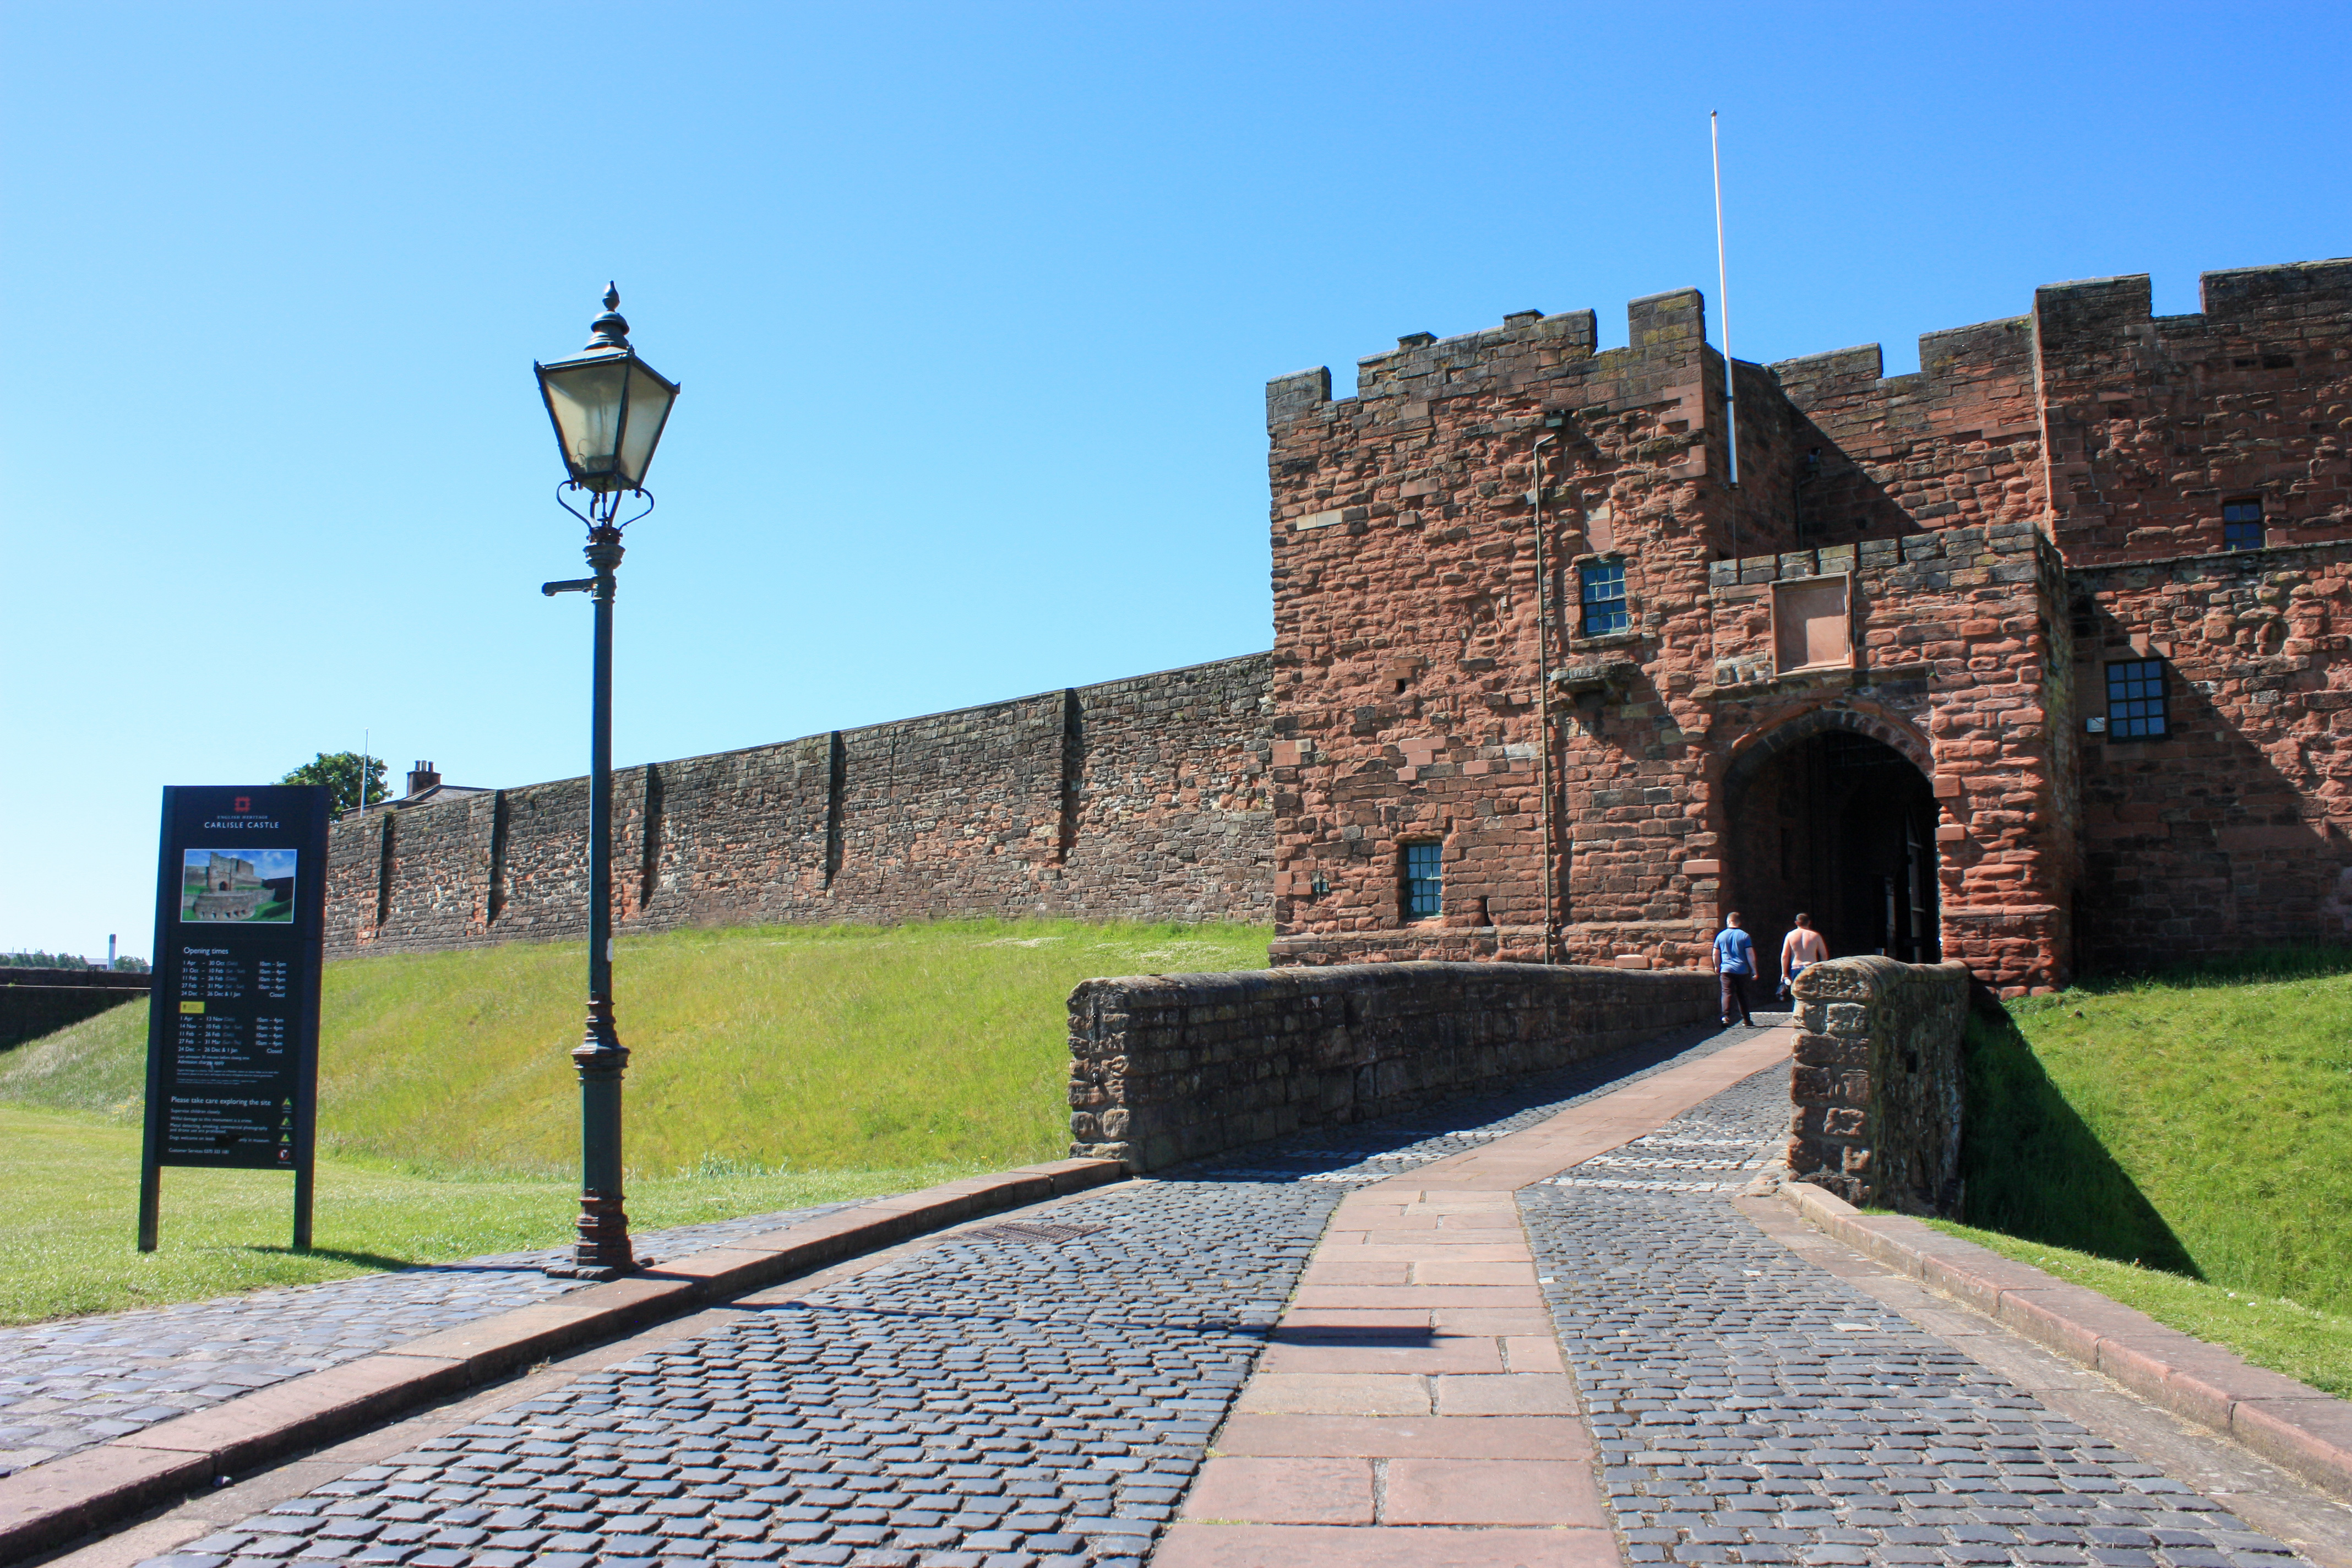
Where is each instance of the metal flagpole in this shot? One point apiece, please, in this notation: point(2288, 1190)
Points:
point(1723, 295)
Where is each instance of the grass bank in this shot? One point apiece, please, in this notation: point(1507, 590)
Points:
point(2183, 1144)
point(832, 1047)
point(70, 1247)
point(771, 1067)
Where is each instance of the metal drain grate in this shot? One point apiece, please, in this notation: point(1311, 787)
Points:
point(1025, 1230)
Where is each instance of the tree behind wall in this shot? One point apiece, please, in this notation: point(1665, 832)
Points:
point(340, 771)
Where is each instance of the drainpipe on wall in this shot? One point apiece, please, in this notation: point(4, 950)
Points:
point(1543, 698)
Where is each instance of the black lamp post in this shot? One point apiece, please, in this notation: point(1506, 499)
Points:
point(608, 407)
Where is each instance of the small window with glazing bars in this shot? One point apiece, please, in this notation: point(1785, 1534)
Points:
point(2135, 701)
point(1604, 598)
point(2242, 525)
point(1424, 887)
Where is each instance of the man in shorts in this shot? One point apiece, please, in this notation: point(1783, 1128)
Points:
point(1735, 960)
point(1799, 950)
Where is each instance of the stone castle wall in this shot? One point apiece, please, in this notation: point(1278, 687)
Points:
point(35, 1002)
point(2042, 500)
point(1141, 799)
point(2235, 830)
point(1168, 1068)
point(1877, 1083)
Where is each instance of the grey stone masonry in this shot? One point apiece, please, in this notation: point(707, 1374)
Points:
point(1982, 546)
point(1181, 1067)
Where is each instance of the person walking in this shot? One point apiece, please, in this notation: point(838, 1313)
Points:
point(1799, 950)
point(1735, 960)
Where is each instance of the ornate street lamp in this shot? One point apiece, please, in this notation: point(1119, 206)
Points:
point(608, 407)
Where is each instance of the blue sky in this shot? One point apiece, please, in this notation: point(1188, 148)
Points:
point(973, 306)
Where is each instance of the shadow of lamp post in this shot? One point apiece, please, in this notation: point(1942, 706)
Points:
point(608, 407)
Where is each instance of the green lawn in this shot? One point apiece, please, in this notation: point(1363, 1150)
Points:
point(2182, 1143)
point(770, 1066)
point(69, 1242)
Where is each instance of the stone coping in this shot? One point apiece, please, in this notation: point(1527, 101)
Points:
point(49, 1504)
point(2293, 1426)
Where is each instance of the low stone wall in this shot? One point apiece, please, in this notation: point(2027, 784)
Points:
point(1169, 1067)
point(33, 1002)
point(1877, 1082)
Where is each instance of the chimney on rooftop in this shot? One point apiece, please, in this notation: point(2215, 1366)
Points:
point(420, 777)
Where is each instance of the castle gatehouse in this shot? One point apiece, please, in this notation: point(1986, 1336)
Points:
point(2036, 658)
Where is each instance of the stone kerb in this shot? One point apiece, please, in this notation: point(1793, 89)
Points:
point(1165, 1069)
point(1877, 1081)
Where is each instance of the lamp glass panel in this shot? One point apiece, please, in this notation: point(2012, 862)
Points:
point(585, 396)
point(650, 400)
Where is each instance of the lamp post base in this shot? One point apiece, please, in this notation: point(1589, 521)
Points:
point(603, 1250)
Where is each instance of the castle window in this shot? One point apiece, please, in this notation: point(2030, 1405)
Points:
point(1425, 886)
point(1604, 598)
point(2242, 525)
point(2135, 701)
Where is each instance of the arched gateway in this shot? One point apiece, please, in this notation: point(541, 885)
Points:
point(1831, 815)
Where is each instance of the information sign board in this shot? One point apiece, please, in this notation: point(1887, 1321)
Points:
point(233, 1022)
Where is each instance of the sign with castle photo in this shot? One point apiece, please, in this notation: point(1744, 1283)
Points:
point(254, 886)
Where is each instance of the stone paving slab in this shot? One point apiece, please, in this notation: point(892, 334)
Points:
point(1336, 1488)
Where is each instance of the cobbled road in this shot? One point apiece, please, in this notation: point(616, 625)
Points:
point(1038, 1393)
point(1750, 1408)
point(74, 1382)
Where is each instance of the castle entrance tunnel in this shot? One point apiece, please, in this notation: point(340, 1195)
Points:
point(1842, 828)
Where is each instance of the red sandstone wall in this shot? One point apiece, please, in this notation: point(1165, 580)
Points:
point(2236, 830)
point(2153, 421)
point(1955, 443)
point(1405, 679)
point(1142, 799)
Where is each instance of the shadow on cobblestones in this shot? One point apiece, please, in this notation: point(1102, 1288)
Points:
point(1019, 1395)
point(1751, 1408)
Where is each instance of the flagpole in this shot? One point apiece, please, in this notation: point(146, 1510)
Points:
point(1723, 295)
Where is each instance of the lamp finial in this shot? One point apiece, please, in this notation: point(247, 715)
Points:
point(610, 330)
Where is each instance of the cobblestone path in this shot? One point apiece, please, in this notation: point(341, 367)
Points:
point(1750, 1408)
point(1040, 1392)
point(78, 1381)
point(1020, 1394)
point(1014, 1396)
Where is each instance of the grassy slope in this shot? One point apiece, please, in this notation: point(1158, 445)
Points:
point(72, 1249)
point(861, 1061)
point(2183, 1146)
point(822, 1048)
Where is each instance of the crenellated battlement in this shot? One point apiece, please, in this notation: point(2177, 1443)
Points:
point(2157, 423)
point(2253, 300)
point(1957, 367)
point(1529, 347)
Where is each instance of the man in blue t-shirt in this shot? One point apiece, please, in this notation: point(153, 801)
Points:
point(1735, 960)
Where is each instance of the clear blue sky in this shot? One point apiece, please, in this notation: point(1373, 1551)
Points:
point(973, 305)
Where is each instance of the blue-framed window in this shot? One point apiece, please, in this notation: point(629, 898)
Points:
point(1604, 598)
point(2242, 525)
point(1424, 883)
point(2135, 701)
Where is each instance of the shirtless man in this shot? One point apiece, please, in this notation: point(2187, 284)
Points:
point(1803, 948)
